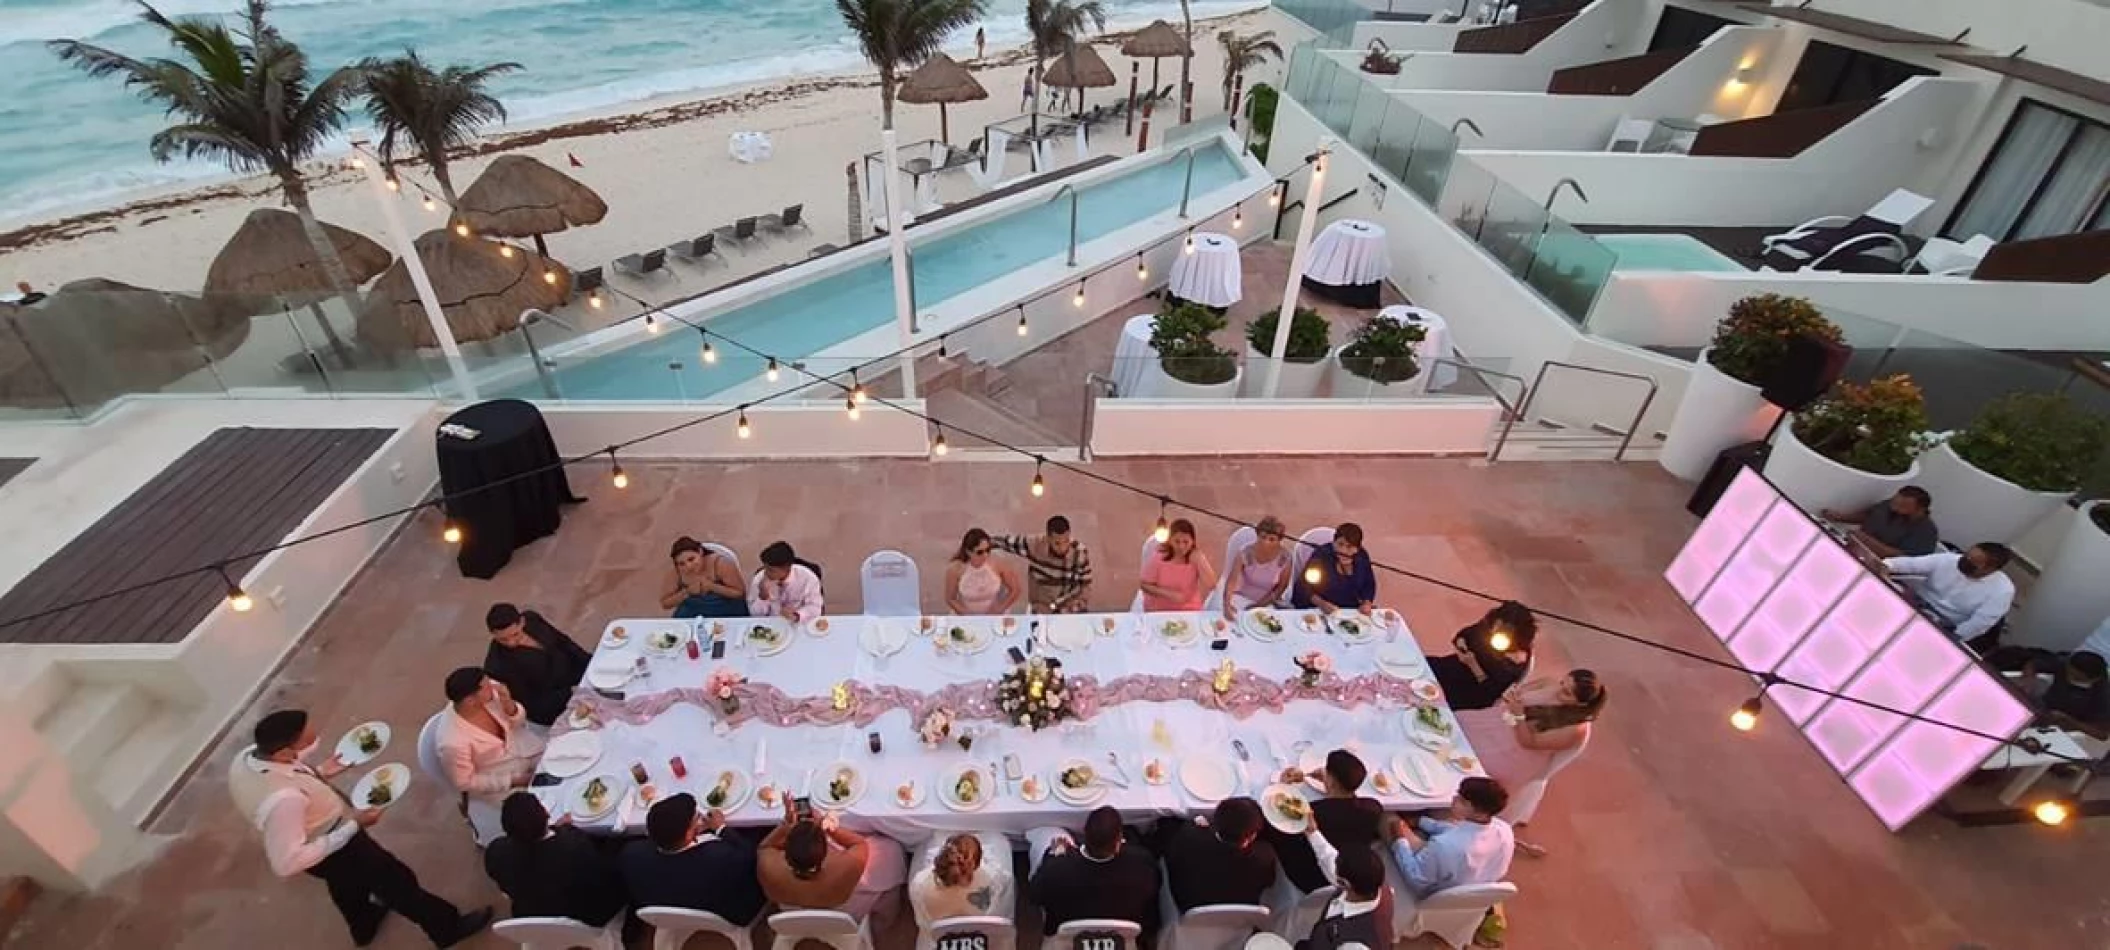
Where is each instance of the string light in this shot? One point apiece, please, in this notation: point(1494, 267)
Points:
point(358, 162)
point(1745, 718)
point(549, 275)
point(505, 251)
point(593, 299)
point(616, 475)
point(1500, 640)
point(451, 532)
point(1274, 197)
point(393, 184)
point(1238, 217)
point(1190, 240)
point(651, 324)
point(1142, 272)
point(850, 405)
point(742, 427)
point(857, 389)
point(462, 228)
point(1040, 485)
point(1078, 299)
point(772, 374)
point(941, 347)
point(710, 353)
point(1163, 531)
point(1023, 329)
point(1312, 575)
point(938, 446)
point(430, 205)
point(237, 600)
point(2052, 811)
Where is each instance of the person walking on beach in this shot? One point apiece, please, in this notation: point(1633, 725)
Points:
point(1025, 102)
point(981, 43)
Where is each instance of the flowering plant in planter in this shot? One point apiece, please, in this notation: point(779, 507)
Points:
point(1382, 350)
point(1874, 428)
point(1754, 336)
point(1181, 337)
point(1308, 342)
point(1378, 59)
point(2039, 441)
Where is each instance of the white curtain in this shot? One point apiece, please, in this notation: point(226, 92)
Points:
point(2071, 194)
point(2032, 143)
point(994, 151)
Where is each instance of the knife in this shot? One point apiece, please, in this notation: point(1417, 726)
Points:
point(761, 757)
point(1239, 747)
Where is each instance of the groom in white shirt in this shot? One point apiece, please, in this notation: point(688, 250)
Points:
point(1967, 594)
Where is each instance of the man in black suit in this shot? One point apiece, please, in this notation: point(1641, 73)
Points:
point(1106, 880)
point(551, 872)
point(1223, 862)
point(536, 661)
point(688, 861)
point(1346, 819)
point(1358, 915)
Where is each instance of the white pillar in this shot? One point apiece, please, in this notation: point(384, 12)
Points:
point(407, 251)
point(1299, 258)
point(897, 248)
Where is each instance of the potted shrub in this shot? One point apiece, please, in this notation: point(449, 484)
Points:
point(1378, 59)
point(2023, 456)
point(1193, 366)
point(1852, 448)
point(1379, 360)
point(1722, 406)
point(1303, 359)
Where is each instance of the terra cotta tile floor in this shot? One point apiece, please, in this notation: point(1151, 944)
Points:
point(1672, 832)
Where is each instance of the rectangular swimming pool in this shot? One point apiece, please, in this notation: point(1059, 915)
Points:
point(802, 320)
point(1678, 252)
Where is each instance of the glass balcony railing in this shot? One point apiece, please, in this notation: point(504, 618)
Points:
point(1334, 19)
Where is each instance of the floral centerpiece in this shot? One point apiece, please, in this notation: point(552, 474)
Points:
point(719, 686)
point(936, 727)
point(1033, 694)
point(1311, 666)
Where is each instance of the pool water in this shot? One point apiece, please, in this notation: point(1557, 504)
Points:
point(801, 320)
point(1676, 252)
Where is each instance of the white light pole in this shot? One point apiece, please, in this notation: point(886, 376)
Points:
point(407, 251)
point(1299, 258)
point(897, 248)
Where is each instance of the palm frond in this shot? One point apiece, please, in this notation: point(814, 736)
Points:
point(432, 109)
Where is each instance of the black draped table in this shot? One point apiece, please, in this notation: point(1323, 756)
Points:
point(517, 508)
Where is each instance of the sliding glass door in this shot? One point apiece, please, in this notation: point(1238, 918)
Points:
point(2049, 174)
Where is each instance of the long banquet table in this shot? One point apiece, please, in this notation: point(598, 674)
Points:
point(1141, 697)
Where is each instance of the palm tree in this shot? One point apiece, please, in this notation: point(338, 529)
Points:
point(243, 96)
point(1187, 65)
point(1243, 51)
point(896, 35)
point(429, 110)
point(1055, 26)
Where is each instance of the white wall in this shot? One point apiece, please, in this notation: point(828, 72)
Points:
point(2069, 34)
point(1432, 426)
point(1604, 30)
point(794, 431)
point(1908, 141)
point(1701, 83)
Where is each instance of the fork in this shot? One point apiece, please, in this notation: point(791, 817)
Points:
point(1115, 759)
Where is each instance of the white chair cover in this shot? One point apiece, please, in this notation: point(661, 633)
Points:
point(1311, 542)
point(1214, 927)
point(892, 586)
point(429, 751)
point(989, 172)
point(559, 933)
point(1150, 550)
point(1001, 933)
point(1524, 801)
point(1066, 934)
point(1241, 539)
point(1454, 915)
point(1295, 913)
point(727, 553)
point(673, 926)
point(832, 927)
point(1133, 356)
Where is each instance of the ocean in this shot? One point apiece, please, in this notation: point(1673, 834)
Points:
point(71, 142)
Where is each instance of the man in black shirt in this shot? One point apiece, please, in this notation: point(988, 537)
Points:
point(1357, 915)
point(551, 872)
point(1348, 820)
point(1902, 526)
point(536, 661)
point(2078, 696)
point(1106, 880)
point(1222, 863)
point(687, 861)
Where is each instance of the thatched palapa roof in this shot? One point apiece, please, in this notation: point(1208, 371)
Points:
point(520, 197)
point(270, 254)
point(96, 339)
point(1080, 68)
point(482, 287)
point(940, 80)
point(1159, 39)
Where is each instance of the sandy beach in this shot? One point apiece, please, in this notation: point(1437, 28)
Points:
point(662, 166)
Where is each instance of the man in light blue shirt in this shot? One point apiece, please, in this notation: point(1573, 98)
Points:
point(1472, 848)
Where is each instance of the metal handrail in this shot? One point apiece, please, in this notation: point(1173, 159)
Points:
point(1627, 438)
point(1187, 187)
point(1481, 372)
point(1093, 383)
point(1071, 190)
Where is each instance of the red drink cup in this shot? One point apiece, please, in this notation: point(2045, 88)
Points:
point(694, 652)
point(637, 771)
point(681, 769)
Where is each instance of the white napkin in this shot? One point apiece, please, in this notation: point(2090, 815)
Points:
point(761, 757)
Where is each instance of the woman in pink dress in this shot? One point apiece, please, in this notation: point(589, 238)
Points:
point(1180, 576)
point(1540, 727)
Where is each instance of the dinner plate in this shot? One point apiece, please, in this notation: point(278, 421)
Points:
point(1463, 763)
point(1356, 627)
point(1412, 771)
point(610, 673)
point(819, 626)
point(1255, 623)
point(1271, 802)
point(880, 638)
point(1427, 690)
point(571, 753)
point(1209, 778)
point(1432, 738)
point(394, 775)
point(617, 638)
point(348, 751)
point(1087, 795)
point(949, 788)
point(1177, 631)
point(737, 790)
point(1402, 661)
point(667, 641)
point(1070, 633)
point(822, 792)
point(614, 791)
point(774, 637)
point(964, 636)
point(1310, 764)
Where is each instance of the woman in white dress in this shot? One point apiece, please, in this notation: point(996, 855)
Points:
point(964, 875)
point(976, 583)
point(1540, 726)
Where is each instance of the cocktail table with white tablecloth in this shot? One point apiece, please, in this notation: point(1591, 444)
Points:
point(1348, 263)
point(1142, 698)
point(1206, 271)
point(1435, 343)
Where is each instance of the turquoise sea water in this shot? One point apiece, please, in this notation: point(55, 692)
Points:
point(69, 141)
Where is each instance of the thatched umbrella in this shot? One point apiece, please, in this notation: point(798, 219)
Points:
point(1079, 69)
point(96, 339)
point(270, 255)
point(520, 197)
point(482, 287)
point(1154, 42)
point(943, 81)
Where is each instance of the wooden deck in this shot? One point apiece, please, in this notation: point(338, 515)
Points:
point(236, 491)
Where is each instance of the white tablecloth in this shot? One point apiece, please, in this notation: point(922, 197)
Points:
point(1435, 343)
point(749, 146)
point(1349, 252)
point(1133, 355)
point(1209, 274)
point(811, 666)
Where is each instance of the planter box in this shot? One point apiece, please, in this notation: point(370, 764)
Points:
point(1299, 380)
point(1815, 483)
point(1718, 411)
point(2072, 596)
point(1170, 388)
point(1347, 385)
point(1971, 506)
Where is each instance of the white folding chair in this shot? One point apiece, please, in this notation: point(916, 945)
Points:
point(1150, 550)
point(429, 751)
point(673, 926)
point(1454, 915)
point(481, 815)
point(726, 553)
point(892, 585)
point(559, 933)
point(1066, 935)
point(1294, 912)
point(958, 933)
point(1524, 802)
point(1213, 927)
point(1628, 135)
point(1313, 541)
point(1241, 539)
point(832, 927)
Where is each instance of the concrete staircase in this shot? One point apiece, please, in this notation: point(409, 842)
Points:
point(966, 392)
point(1545, 440)
point(118, 735)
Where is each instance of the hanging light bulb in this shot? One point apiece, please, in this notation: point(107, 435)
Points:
point(1312, 575)
point(1238, 217)
point(651, 324)
point(941, 347)
point(1274, 197)
point(1023, 329)
point(1500, 640)
point(1162, 532)
point(1745, 718)
point(1142, 272)
point(2052, 811)
point(593, 299)
point(1190, 242)
point(742, 426)
point(505, 251)
point(549, 275)
point(430, 205)
point(938, 447)
point(616, 475)
point(772, 369)
point(710, 353)
point(237, 600)
point(1079, 298)
point(461, 228)
point(393, 184)
point(451, 532)
point(850, 405)
point(358, 162)
point(857, 389)
point(1040, 485)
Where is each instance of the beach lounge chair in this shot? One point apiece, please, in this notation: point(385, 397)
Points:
point(821, 250)
point(793, 217)
point(1628, 135)
point(695, 249)
point(653, 261)
point(587, 281)
point(742, 230)
point(1872, 243)
point(957, 157)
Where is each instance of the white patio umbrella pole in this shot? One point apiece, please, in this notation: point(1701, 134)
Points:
point(1299, 259)
point(897, 248)
point(407, 250)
